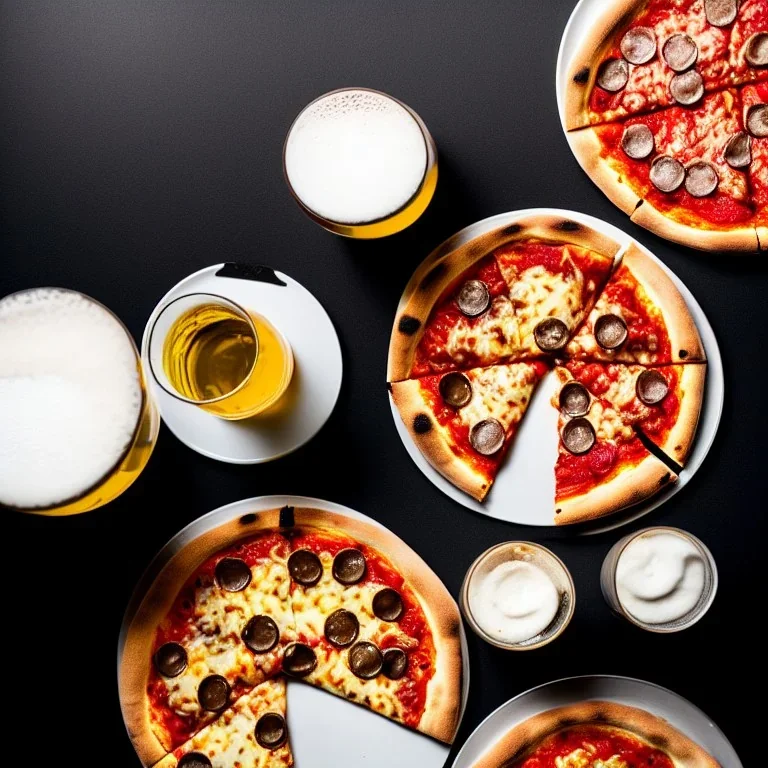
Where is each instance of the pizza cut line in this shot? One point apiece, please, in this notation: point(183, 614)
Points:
point(297, 594)
point(611, 325)
point(666, 106)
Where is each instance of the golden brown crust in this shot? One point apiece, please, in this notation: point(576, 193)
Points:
point(680, 440)
point(434, 443)
point(443, 268)
point(586, 145)
point(645, 726)
point(582, 71)
point(629, 487)
point(684, 336)
point(742, 238)
point(445, 689)
point(762, 238)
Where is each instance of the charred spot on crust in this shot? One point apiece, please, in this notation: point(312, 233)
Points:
point(558, 511)
point(437, 271)
point(581, 76)
point(683, 354)
point(568, 226)
point(408, 325)
point(664, 480)
point(248, 519)
point(287, 518)
point(454, 627)
point(512, 229)
point(422, 424)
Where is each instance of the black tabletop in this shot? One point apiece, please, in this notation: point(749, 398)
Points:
point(142, 141)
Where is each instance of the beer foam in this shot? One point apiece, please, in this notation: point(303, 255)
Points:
point(70, 396)
point(355, 156)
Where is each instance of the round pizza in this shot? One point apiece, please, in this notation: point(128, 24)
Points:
point(595, 734)
point(290, 594)
point(478, 328)
point(666, 103)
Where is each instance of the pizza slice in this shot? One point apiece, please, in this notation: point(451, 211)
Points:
point(251, 734)
point(464, 423)
point(751, 147)
point(595, 734)
point(748, 42)
point(223, 635)
point(364, 633)
point(664, 401)
point(602, 465)
point(675, 172)
point(553, 286)
point(646, 55)
point(640, 317)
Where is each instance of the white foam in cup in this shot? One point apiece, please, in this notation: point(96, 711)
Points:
point(355, 156)
point(70, 396)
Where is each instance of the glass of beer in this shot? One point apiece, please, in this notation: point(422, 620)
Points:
point(360, 163)
point(211, 352)
point(77, 425)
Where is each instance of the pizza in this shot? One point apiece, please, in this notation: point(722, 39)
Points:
point(608, 319)
point(666, 110)
point(595, 734)
point(297, 594)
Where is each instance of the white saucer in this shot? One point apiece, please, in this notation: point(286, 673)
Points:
point(316, 382)
point(524, 490)
point(326, 731)
point(683, 715)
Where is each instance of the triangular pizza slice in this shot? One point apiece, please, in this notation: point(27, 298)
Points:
point(640, 317)
point(464, 423)
point(602, 465)
point(251, 734)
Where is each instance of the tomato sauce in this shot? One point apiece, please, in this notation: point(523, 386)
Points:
point(600, 743)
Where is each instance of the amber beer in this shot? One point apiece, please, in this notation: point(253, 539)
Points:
point(360, 163)
point(229, 361)
point(76, 421)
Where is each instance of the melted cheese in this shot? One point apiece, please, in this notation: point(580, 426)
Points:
point(502, 392)
point(491, 337)
point(231, 741)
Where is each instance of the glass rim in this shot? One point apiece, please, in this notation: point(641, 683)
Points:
point(429, 144)
point(480, 632)
point(145, 401)
point(662, 629)
point(174, 392)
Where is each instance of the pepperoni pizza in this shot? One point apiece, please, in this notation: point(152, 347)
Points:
point(296, 593)
point(667, 111)
point(613, 325)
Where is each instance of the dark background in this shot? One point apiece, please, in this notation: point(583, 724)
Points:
point(142, 141)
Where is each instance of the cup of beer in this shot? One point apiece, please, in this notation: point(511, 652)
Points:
point(77, 425)
point(209, 351)
point(360, 163)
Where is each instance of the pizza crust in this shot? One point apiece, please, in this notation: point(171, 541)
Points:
point(440, 271)
point(434, 444)
point(684, 336)
point(741, 238)
point(444, 694)
point(629, 487)
point(645, 726)
point(680, 440)
point(762, 238)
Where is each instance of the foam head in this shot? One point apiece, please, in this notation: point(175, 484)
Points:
point(70, 396)
point(355, 156)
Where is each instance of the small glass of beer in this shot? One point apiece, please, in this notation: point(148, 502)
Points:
point(211, 352)
point(77, 423)
point(360, 163)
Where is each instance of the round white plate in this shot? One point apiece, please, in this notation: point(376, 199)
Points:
point(683, 715)
point(524, 490)
point(316, 381)
point(326, 731)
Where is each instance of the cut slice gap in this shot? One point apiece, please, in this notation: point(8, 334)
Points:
point(657, 452)
point(444, 432)
point(662, 403)
point(606, 467)
point(642, 298)
point(252, 733)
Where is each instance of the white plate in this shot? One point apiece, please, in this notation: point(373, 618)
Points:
point(524, 490)
point(316, 381)
point(683, 715)
point(326, 731)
